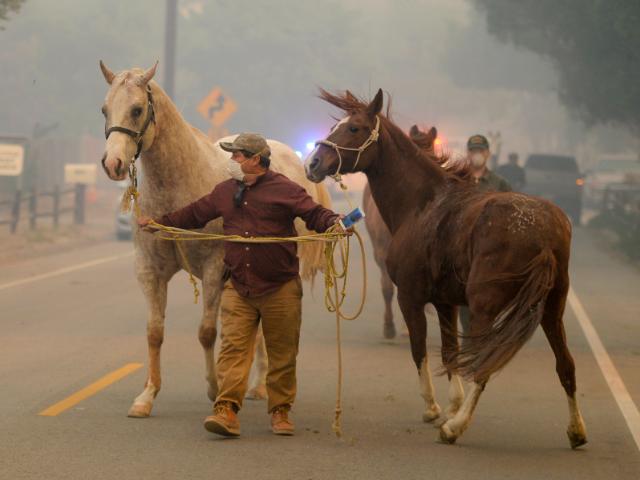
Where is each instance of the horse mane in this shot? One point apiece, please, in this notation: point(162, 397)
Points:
point(455, 169)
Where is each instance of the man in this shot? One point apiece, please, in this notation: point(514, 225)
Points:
point(478, 153)
point(264, 283)
point(512, 172)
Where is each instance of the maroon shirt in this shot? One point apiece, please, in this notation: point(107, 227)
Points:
point(268, 208)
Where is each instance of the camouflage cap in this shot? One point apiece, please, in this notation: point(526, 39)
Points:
point(248, 142)
point(478, 142)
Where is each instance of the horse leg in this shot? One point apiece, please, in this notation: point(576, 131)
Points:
point(389, 330)
point(447, 315)
point(416, 321)
point(258, 377)
point(454, 427)
point(554, 330)
point(208, 332)
point(155, 291)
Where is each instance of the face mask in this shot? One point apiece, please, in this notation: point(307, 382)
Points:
point(235, 170)
point(478, 160)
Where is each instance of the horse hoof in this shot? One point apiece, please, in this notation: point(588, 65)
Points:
point(431, 414)
point(257, 393)
point(140, 410)
point(389, 331)
point(212, 393)
point(446, 435)
point(577, 439)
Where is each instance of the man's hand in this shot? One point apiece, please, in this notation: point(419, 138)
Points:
point(339, 229)
point(144, 223)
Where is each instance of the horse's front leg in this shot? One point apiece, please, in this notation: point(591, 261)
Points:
point(447, 316)
point(414, 316)
point(154, 288)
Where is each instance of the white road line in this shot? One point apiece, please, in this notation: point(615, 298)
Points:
point(62, 271)
point(616, 385)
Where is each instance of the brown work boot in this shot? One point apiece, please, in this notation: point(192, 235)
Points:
point(224, 420)
point(281, 424)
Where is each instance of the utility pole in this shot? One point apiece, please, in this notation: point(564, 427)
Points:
point(171, 28)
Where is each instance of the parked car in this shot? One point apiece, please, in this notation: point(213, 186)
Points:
point(556, 178)
point(610, 170)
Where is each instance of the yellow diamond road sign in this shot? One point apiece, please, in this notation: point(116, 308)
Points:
point(217, 107)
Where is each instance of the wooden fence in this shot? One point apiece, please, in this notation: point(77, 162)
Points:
point(36, 210)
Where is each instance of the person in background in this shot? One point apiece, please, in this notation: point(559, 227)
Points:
point(478, 153)
point(512, 172)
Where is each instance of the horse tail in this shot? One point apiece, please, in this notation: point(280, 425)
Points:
point(311, 254)
point(488, 352)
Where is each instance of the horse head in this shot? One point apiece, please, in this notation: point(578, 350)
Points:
point(352, 143)
point(129, 118)
point(424, 140)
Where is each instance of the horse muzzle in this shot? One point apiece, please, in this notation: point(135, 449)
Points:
point(114, 168)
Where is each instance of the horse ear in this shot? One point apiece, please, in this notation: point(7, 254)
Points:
point(108, 74)
point(432, 134)
point(375, 106)
point(349, 95)
point(414, 130)
point(148, 75)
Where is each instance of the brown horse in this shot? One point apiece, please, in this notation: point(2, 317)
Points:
point(505, 255)
point(381, 236)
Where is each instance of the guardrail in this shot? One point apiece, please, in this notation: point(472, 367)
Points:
point(35, 211)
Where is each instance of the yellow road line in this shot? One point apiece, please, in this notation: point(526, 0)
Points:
point(90, 390)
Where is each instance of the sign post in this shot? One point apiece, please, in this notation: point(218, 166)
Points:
point(217, 108)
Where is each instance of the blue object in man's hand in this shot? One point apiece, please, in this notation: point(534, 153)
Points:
point(351, 218)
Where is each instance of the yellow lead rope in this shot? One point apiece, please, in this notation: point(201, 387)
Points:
point(335, 281)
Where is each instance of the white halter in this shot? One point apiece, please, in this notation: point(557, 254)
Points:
point(372, 138)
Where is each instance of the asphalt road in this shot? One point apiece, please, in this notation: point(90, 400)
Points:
point(64, 330)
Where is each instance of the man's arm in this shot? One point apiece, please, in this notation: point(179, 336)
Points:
point(315, 216)
point(194, 215)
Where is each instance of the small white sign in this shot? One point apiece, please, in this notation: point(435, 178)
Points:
point(85, 173)
point(11, 159)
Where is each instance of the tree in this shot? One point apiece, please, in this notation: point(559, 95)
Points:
point(7, 6)
point(594, 45)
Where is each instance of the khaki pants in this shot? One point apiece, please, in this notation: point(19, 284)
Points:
point(280, 313)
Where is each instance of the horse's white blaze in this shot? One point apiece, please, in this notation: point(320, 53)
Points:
point(456, 395)
point(454, 427)
point(341, 122)
point(432, 409)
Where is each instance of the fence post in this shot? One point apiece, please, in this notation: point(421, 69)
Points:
point(78, 214)
point(15, 211)
point(56, 206)
point(33, 209)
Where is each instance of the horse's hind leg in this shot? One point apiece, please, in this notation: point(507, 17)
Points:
point(554, 330)
point(155, 290)
point(258, 376)
point(447, 315)
point(416, 321)
point(389, 330)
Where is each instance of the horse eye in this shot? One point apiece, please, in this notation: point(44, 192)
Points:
point(104, 111)
point(353, 129)
point(136, 112)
